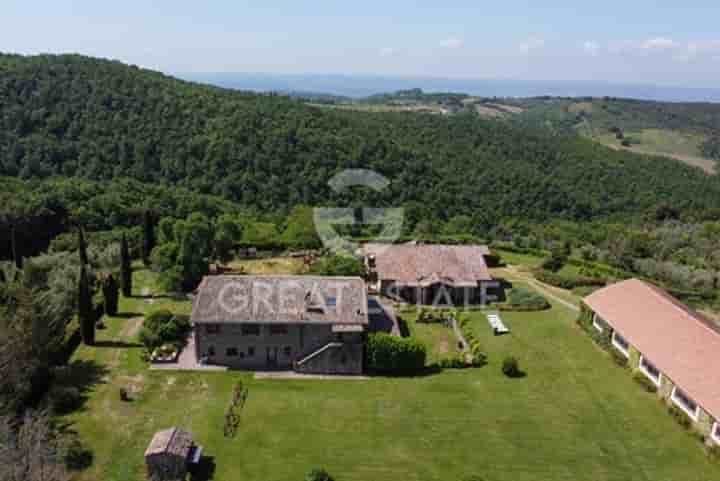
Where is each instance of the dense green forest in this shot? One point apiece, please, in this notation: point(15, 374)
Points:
point(74, 116)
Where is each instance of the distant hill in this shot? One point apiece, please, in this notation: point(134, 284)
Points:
point(686, 131)
point(360, 86)
point(73, 116)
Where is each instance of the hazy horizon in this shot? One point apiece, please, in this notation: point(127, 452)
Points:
point(643, 41)
point(359, 85)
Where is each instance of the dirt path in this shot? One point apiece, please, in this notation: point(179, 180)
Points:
point(539, 286)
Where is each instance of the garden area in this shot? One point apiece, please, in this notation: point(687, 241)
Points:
point(573, 415)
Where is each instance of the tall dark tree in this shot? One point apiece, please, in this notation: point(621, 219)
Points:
point(148, 236)
point(82, 246)
point(125, 268)
point(110, 290)
point(16, 255)
point(86, 311)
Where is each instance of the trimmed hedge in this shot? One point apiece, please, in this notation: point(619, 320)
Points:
point(521, 299)
point(479, 358)
point(680, 416)
point(567, 282)
point(646, 383)
point(619, 358)
point(390, 354)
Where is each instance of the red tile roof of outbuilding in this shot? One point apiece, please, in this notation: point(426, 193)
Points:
point(681, 343)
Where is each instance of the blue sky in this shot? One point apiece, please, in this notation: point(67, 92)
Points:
point(675, 43)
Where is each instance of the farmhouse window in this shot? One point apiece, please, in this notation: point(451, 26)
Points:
point(231, 352)
point(650, 371)
point(212, 328)
point(287, 350)
point(684, 402)
point(251, 351)
point(599, 323)
point(211, 351)
point(621, 344)
point(716, 432)
point(250, 330)
point(278, 330)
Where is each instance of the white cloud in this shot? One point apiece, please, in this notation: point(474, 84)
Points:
point(658, 43)
point(531, 44)
point(452, 43)
point(592, 48)
point(388, 52)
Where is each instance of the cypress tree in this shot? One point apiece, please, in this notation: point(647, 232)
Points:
point(125, 268)
point(148, 236)
point(82, 246)
point(110, 290)
point(17, 258)
point(86, 313)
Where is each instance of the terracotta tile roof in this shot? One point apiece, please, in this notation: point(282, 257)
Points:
point(426, 264)
point(281, 299)
point(681, 343)
point(170, 441)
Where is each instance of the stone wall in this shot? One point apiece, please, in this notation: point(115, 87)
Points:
point(338, 358)
point(259, 351)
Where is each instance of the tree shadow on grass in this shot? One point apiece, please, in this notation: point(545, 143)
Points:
point(72, 384)
point(117, 344)
point(204, 470)
point(128, 315)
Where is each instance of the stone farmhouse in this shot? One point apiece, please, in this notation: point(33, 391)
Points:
point(306, 323)
point(431, 274)
point(676, 348)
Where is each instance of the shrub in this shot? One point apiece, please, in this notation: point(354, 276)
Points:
point(479, 358)
point(338, 266)
point(566, 281)
point(714, 453)
point(318, 475)
point(553, 263)
point(433, 316)
point(680, 416)
point(619, 358)
point(511, 367)
point(646, 383)
point(163, 327)
point(453, 361)
point(65, 399)
point(391, 354)
point(521, 299)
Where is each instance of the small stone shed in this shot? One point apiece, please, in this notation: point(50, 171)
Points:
point(170, 453)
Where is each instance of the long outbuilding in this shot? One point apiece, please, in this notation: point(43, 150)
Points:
point(676, 348)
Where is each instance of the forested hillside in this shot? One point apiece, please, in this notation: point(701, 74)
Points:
point(101, 120)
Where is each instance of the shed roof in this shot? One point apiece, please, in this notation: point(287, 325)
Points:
point(170, 441)
point(281, 300)
point(681, 343)
point(422, 265)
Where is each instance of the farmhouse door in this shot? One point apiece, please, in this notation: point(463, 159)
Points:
point(272, 356)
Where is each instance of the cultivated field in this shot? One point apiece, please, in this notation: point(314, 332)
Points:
point(681, 146)
point(575, 416)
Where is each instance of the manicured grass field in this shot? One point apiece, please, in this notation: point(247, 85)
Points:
point(575, 416)
point(440, 339)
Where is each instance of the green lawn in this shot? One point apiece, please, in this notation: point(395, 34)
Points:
point(517, 259)
point(440, 339)
point(574, 417)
